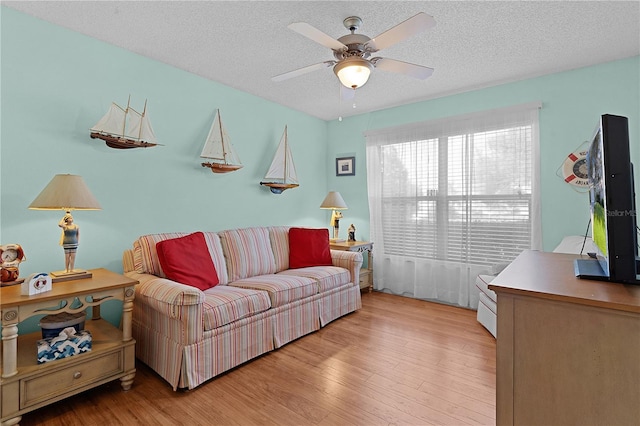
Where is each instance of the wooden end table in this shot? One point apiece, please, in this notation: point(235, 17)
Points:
point(26, 385)
point(366, 274)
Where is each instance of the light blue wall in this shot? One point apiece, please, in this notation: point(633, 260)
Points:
point(571, 105)
point(55, 84)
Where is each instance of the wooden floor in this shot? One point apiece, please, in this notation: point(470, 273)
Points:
point(397, 361)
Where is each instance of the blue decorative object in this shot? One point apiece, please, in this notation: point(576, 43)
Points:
point(66, 344)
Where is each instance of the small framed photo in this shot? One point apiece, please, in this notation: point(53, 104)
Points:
point(346, 166)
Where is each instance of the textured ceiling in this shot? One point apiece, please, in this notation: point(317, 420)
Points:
point(243, 44)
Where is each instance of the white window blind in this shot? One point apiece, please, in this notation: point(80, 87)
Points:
point(458, 190)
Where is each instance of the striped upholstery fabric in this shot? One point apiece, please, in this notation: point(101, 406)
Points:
point(155, 345)
point(282, 289)
point(168, 292)
point(127, 261)
point(279, 236)
point(295, 320)
point(161, 304)
point(145, 256)
point(227, 347)
point(190, 364)
point(248, 252)
point(156, 349)
point(226, 304)
point(189, 336)
point(327, 277)
point(349, 260)
point(339, 302)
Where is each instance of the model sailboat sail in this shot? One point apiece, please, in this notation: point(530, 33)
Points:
point(282, 172)
point(219, 150)
point(125, 128)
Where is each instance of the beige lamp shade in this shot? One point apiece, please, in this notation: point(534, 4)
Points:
point(334, 201)
point(65, 192)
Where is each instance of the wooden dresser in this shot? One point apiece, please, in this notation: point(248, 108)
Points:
point(568, 350)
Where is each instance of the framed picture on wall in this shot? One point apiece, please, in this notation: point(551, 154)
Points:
point(346, 166)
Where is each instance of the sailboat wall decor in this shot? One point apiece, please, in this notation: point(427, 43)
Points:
point(125, 128)
point(282, 172)
point(219, 150)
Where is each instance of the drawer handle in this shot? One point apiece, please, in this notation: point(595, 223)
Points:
point(77, 375)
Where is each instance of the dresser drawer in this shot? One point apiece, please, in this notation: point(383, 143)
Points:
point(53, 384)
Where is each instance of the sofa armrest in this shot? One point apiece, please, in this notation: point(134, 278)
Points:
point(166, 295)
point(174, 310)
point(351, 260)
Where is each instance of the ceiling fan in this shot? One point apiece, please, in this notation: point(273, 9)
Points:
point(353, 64)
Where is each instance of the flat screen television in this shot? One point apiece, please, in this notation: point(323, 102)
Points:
point(612, 205)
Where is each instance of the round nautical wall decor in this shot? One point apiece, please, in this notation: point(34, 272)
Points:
point(573, 169)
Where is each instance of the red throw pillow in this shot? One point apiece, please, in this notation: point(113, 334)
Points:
point(187, 261)
point(309, 247)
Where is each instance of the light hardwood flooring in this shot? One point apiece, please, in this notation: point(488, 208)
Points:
point(397, 361)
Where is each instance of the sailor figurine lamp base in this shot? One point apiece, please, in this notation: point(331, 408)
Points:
point(334, 201)
point(67, 192)
point(69, 242)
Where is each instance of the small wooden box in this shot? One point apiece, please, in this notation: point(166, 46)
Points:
point(366, 279)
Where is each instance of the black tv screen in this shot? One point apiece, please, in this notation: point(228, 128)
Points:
point(612, 202)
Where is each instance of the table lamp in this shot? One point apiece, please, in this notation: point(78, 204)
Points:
point(67, 192)
point(334, 201)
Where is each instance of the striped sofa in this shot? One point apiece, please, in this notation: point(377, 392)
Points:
point(189, 336)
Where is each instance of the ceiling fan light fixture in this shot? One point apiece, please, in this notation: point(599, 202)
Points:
point(353, 72)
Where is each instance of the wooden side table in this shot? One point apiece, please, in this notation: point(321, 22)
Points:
point(366, 274)
point(26, 385)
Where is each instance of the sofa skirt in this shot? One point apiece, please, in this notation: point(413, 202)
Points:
point(295, 320)
point(189, 365)
point(155, 349)
point(338, 302)
point(227, 347)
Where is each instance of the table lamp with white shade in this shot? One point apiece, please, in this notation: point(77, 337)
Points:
point(334, 202)
point(67, 192)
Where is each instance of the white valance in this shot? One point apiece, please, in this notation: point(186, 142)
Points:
point(482, 121)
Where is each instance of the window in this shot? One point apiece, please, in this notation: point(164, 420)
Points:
point(462, 197)
point(453, 192)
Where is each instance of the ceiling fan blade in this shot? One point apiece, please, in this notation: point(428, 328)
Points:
point(403, 30)
point(301, 71)
point(316, 35)
point(413, 70)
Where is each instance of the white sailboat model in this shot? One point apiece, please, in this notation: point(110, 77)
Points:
point(125, 128)
point(282, 172)
point(219, 150)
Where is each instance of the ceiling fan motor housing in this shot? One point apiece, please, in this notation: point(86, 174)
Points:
point(355, 46)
